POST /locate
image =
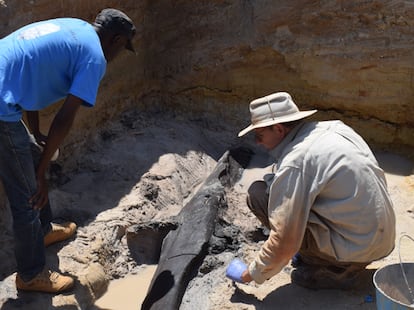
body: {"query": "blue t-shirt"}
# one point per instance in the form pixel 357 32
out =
pixel 43 62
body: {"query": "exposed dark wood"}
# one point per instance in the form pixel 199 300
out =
pixel 184 249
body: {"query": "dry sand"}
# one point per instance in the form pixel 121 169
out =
pixel 212 290
pixel 146 167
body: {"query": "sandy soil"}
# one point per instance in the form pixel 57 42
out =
pixel 211 290
pixel 146 167
pixel 278 292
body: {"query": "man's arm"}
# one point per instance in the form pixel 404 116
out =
pixel 59 128
pixel 289 205
pixel 33 123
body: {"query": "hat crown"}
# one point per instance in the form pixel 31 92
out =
pixel 272 107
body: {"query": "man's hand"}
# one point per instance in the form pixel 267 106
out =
pixel 236 269
pixel 40 139
pixel 40 199
pixel 246 277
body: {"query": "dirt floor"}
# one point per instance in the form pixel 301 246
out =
pixel 146 167
pixel 278 292
pixel 210 289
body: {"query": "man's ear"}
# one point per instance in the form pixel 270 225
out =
pixel 283 130
pixel 115 38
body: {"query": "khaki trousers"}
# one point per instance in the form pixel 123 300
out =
pixel 257 201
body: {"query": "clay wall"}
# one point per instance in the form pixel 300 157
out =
pixel 352 60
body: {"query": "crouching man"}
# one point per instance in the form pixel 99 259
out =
pixel 327 205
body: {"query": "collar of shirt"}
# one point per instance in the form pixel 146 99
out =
pixel 278 150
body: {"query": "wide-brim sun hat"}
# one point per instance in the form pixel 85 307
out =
pixel 274 109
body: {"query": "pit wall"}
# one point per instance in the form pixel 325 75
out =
pixel 352 60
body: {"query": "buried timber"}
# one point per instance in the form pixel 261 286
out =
pixel 165 194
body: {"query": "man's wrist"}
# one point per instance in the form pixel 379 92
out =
pixel 246 277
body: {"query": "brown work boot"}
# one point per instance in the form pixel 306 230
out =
pixel 327 277
pixel 59 232
pixel 46 281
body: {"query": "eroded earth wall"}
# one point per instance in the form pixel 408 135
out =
pixel 352 60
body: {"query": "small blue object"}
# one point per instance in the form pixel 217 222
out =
pixel 369 298
pixel 235 270
pixel 296 260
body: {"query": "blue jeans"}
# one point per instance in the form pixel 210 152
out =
pixel 17 171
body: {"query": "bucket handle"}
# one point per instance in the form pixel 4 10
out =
pixel 402 267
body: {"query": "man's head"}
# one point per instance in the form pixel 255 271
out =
pixel 268 116
pixel 115 30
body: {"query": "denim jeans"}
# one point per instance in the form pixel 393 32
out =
pixel 17 172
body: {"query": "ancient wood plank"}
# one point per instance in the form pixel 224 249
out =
pixel 184 249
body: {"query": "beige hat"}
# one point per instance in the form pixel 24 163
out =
pixel 274 109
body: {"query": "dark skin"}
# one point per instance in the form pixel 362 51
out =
pixel 112 44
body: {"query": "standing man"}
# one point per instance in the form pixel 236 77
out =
pixel 40 64
pixel 327 201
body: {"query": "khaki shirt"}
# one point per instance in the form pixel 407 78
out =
pixel 328 181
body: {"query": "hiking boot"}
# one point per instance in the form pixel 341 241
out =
pixel 46 281
pixel 59 232
pixel 326 277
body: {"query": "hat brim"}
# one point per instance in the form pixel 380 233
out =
pixel 289 118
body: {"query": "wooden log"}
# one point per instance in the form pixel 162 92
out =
pixel 184 249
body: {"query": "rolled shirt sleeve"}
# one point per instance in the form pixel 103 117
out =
pixel 289 204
